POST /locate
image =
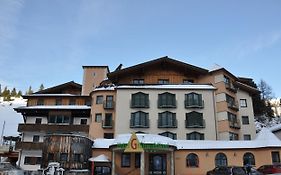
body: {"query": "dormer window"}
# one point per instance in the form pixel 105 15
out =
pixel 138 81
pixel 163 81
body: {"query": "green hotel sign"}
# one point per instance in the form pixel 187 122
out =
pixel 147 146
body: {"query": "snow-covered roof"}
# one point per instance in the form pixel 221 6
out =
pixel 275 128
pixel 264 139
pixel 50 95
pixel 108 88
pixel 178 86
pixel 56 107
pixel 100 158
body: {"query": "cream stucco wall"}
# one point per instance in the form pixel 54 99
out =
pixel 24 154
pixel 123 112
pixel 246 111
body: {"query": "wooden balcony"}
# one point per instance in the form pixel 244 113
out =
pixel 29 145
pixel 52 128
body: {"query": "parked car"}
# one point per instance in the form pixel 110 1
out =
pixel 255 172
pixel 227 170
pixel 270 169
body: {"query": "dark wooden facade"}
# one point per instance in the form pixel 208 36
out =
pixel 71 151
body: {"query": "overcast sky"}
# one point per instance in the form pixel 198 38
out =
pixel 48 41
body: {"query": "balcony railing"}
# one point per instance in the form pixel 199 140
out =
pixel 53 128
pixel 235 124
pixel 174 124
pixel 29 145
pixel 231 87
pixel 108 104
pixel 233 105
pixel 139 125
pixel 193 104
pixel 165 105
pixel 107 124
pixel 195 125
pixel 140 105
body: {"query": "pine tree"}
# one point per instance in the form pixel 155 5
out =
pixel 29 91
pixel 14 92
pixel 19 94
pixel 41 87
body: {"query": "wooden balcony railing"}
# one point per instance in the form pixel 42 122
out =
pixel 53 128
pixel 29 145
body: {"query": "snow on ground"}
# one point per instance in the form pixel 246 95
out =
pixel 11 117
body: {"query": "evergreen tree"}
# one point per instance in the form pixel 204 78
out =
pixel 41 87
pixel 14 92
pixel 19 94
pixel 29 91
pixel 6 94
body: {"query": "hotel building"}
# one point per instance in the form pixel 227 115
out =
pixel 188 119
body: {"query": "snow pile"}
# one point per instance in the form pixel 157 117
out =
pixel 9 116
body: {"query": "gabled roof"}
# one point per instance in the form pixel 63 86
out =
pixel 60 88
pixel 163 61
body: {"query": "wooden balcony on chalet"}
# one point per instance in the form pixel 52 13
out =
pixel 51 128
pixel 29 145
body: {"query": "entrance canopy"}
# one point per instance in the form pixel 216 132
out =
pixel 100 158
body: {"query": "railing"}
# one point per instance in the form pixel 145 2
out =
pixel 163 105
pixel 29 145
pixel 195 125
pixel 108 104
pixel 192 104
pixel 53 128
pixel 174 124
pixel 139 125
pixel 231 87
pixel 233 105
pixel 235 124
pixel 141 105
pixel 107 124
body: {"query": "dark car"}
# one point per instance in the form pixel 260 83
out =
pixel 270 169
pixel 227 170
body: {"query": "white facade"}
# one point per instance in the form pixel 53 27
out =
pixel 34 154
pixel 123 111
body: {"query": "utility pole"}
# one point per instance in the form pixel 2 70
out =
pixel 2 134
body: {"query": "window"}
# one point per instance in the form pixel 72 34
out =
pixel 108 135
pixel 63 156
pixel 169 134
pixel 243 103
pixel 83 121
pixel 108 102
pixel 140 100
pixel 51 157
pixel 59 119
pixel 194 120
pixel 36 138
pixel 125 160
pixel 38 120
pixel 99 99
pixel 40 102
pixel 137 160
pixel 166 100
pixel 248 159
pixel 88 102
pixel 226 80
pixel 98 118
pixel 247 137
pixel 193 100
pixel 245 120
pixel 101 170
pixel 188 81
pixel 233 136
pixel 192 160
pixel 231 103
pixel 275 157
pixel 139 120
pixel 32 160
pixel 233 121
pixel 195 136
pixel 167 120
pixel 220 159
pixel 107 123
pixel 163 81
pixel 138 81
pixel 77 157
pixel 72 101
pixel 58 101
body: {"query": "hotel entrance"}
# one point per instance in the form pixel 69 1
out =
pixel 157 164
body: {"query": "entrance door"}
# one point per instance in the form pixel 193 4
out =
pixel 157 164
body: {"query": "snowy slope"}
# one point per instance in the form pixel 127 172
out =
pixel 11 117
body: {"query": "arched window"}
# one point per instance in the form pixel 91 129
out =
pixel 221 159
pixel 192 160
pixel 248 159
pixel 140 100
